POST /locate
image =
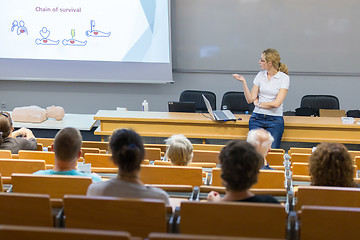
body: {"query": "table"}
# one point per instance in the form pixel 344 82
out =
pixel 78 121
pixel 198 125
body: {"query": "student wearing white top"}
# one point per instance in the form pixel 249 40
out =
pixel 268 93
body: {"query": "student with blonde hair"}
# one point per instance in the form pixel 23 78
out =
pixel 268 94
pixel 179 150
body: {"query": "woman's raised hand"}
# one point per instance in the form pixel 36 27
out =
pixel 239 77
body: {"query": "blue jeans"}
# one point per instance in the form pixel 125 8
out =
pixel 273 124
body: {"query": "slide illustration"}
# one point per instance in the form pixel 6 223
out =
pixel 20 27
pixel 96 33
pixel 45 33
pixel 72 41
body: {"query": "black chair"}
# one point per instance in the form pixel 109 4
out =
pixel 196 97
pixel 353 113
pixel 312 104
pixel 236 103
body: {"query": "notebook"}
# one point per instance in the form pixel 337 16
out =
pixel 219 115
pixel 181 107
pixel 331 113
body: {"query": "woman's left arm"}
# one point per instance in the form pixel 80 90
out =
pixel 278 100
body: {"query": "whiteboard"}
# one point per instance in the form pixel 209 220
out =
pixel 312 36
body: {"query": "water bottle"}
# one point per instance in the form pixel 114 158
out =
pixel 145 106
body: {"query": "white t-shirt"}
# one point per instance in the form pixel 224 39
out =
pixel 118 188
pixel 268 90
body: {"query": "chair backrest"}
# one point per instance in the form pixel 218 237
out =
pixel 99 160
pixel 54 185
pixel 1 184
pixel 330 223
pixel 300 168
pixel 233 219
pixel 25 209
pixel 5 154
pixel 275 158
pixel 300 157
pixel 196 97
pixel 270 179
pixel 96 144
pixel 317 102
pixel 236 103
pixel 179 236
pixel 152 153
pixel 49 157
pixel 193 164
pixel 10 166
pixel 85 150
pixel 8 232
pixel 171 175
pixel 299 150
pixel 354 154
pixel 208 147
pixel 154 145
pixel 45 141
pixel 273 179
pixel 139 217
pixel 328 196
pixel 206 156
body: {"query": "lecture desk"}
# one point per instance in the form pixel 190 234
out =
pixel 199 125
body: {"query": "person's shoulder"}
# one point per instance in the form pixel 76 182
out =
pixel 44 172
pixel 265 199
pixel 260 199
pixel 157 191
pixel 283 75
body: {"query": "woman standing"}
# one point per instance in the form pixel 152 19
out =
pixel 268 94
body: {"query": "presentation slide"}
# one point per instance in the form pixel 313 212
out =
pixel 80 34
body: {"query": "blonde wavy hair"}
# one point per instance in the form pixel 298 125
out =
pixel 331 165
pixel 273 56
pixel 179 151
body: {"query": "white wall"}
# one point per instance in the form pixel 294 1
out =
pixel 90 97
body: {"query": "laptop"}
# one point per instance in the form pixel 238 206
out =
pixel 219 115
pixel 331 113
pixel 181 107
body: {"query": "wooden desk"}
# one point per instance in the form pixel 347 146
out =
pixel 197 125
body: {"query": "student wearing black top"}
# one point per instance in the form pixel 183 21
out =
pixel 240 165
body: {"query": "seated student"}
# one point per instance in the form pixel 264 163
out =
pixel 331 165
pixel 240 165
pixel 261 140
pixel 127 152
pixel 22 139
pixel 67 148
pixel 179 150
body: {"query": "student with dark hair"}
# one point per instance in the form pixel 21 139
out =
pixel 127 153
pixel 331 165
pixel 67 148
pixel 240 165
pixel 22 139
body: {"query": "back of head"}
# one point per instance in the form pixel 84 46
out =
pixel 331 165
pixel 5 125
pixel 67 144
pixel 240 165
pixel 273 56
pixel 179 151
pixel 261 140
pixel 127 150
